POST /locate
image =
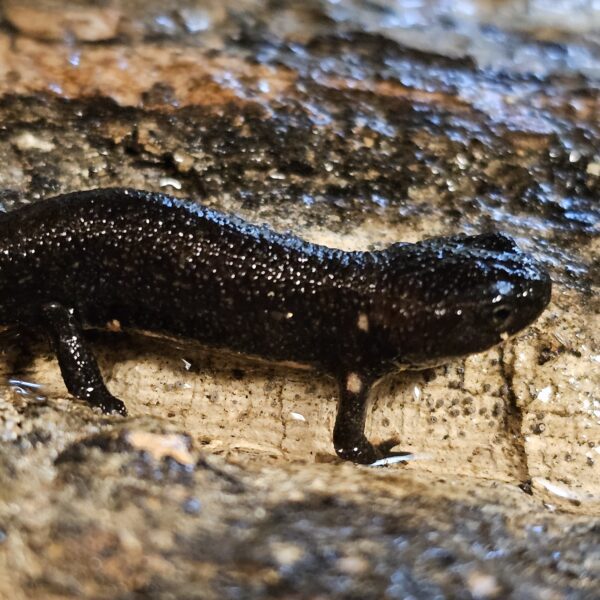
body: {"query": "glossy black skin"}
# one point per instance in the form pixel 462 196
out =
pixel 156 263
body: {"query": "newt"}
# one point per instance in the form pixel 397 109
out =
pixel 156 263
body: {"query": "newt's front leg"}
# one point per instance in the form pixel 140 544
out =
pixel 77 363
pixel 349 437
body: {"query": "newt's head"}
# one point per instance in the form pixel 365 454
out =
pixel 449 297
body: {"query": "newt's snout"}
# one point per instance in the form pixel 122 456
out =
pixel 514 288
pixel 523 299
pixel 467 294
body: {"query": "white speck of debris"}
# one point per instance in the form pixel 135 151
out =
pixel 574 156
pixel 593 169
pixel 165 22
pixel 297 416
pixel 183 160
pixel 462 161
pixel 545 394
pixel 186 364
pixel 21 382
pixel 113 325
pixel 195 20
pixel 416 393
pixel 556 490
pixel 353 565
pixel 289 315
pixel 392 460
pixel 596 358
pixel 482 585
pixel 170 182
pixel 286 554
pixel 504 336
pixel 28 141
pixel 363 322
pixel 353 383
pixel 160 446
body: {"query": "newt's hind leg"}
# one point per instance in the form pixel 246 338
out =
pixel 77 363
pixel 349 437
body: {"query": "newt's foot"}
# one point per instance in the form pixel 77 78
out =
pixel 360 451
pixel 109 404
pixel 365 453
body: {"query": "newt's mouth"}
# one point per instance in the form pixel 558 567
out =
pixel 531 301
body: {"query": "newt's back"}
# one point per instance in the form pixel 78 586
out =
pixel 156 263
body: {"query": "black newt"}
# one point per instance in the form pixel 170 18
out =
pixel 152 262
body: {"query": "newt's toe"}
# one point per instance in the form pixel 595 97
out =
pixel 112 405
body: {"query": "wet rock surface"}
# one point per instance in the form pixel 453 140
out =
pixel 350 124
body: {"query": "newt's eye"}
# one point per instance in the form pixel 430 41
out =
pixel 501 314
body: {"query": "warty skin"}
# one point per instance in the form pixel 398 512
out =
pixel 155 263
